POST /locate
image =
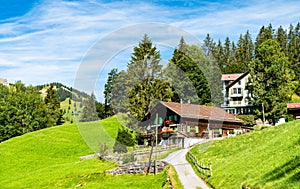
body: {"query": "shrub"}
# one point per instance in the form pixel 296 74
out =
pixel 249 120
pixel 128 158
pixel 103 150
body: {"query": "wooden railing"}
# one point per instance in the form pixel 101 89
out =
pixel 159 149
pixel 202 168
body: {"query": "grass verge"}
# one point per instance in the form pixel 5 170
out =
pixel 269 158
pixel 174 179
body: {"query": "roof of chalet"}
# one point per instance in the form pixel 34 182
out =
pixel 230 77
pixel 293 105
pixel 200 112
pixel 238 79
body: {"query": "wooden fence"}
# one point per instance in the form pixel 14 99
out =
pixel 202 168
pixel 159 149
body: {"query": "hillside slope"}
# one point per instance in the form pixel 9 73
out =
pixel 265 159
pixel 71 100
pixel 49 158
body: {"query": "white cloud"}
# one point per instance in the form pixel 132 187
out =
pixel 49 42
pixel 235 20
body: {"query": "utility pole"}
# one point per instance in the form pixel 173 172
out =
pixel 154 138
pixel 156 132
pixel 263 113
pixel 149 165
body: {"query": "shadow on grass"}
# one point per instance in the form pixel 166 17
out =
pixel 282 171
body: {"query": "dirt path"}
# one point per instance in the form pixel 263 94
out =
pixel 186 174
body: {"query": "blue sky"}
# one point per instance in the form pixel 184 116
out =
pixel 44 41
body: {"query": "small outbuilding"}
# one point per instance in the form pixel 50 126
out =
pixel 294 109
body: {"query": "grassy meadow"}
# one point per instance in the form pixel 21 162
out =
pixel 70 110
pixel 49 158
pixel 269 158
pixel 99 132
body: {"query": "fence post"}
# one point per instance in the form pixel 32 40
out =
pixel 210 168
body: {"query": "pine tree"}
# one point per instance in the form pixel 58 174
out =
pixel 100 108
pixel 186 74
pixel 294 52
pixel 53 104
pixel 208 46
pixel 143 82
pixel 119 96
pixel 271 80
pixel 264 34
pixel 244 52
pixel 227 54
pixel 108 89
pixel 218 54
pixel 89 112
pixel 208 84
pixel 281 37
pixel 249 49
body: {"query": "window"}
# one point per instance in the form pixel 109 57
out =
pixel 234 90
pixel 239 82
pixel 239 91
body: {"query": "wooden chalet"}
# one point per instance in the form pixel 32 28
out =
pixel 190 120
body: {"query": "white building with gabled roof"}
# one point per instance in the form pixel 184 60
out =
pixel 236 94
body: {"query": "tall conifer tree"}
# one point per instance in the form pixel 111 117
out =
pixel 53 104
pixel 272 80
pixel 143 82
pixel 108 89
pixel 89 112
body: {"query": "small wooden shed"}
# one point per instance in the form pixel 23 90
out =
pixel 294 109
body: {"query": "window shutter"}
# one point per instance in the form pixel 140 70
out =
pixel 160 120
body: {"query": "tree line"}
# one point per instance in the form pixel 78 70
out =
pixel 236 57
pixel 194 73
pixel 24 110
pixel 189 76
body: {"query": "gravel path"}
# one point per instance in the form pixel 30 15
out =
pixel 186 174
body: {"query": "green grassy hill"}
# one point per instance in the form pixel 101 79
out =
pixel 269 158
pixel 49 158
pixel 71 100
pixel 295 98
pixel 99 132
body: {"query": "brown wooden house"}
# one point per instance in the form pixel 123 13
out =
pixel 191 120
